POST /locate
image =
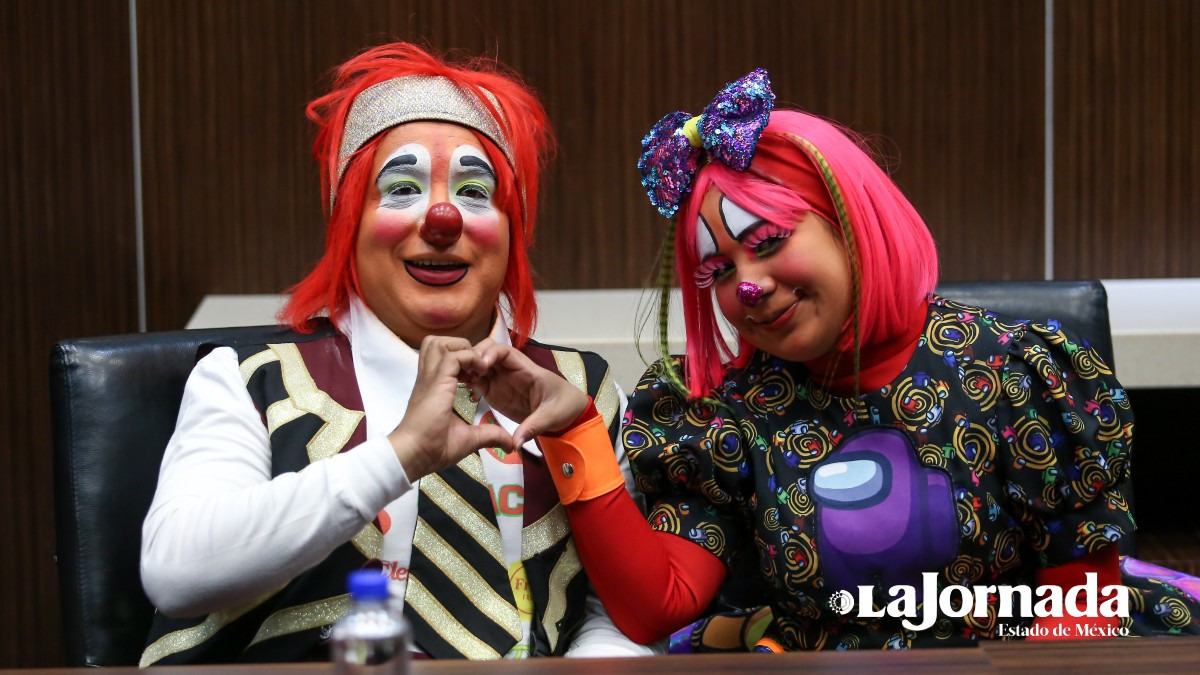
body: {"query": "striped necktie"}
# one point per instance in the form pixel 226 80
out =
pixel 458 598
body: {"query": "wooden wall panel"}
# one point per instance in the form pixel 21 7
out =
pixel 231 197
pixel 69 267
pixel 926 80
pixel 1126 139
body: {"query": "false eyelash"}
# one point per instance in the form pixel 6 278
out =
pixel 763 232
pixel 707 271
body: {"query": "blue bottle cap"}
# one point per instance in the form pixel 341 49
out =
pixel 367 585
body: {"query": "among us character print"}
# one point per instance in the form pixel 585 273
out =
pixel 882 516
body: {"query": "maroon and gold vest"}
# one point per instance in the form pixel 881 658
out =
pixel 306 392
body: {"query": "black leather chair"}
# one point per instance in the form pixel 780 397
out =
pixel 114 403
pixel 1081 306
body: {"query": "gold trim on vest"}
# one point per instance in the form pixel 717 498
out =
pixel 369 541
pixel 280 413
pixel 470 520
pixel 303 617
pixel 340 422
pixel 465 403
pixel 305 398
pixel 546 532
pixel 608 402
pixel 186 638
pixel 473 465
pixel 255 362
pixel 564 571
pixel 570 364
pixel 422 601
pixel 463 575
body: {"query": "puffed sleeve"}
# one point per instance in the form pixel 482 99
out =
pixel 1067 430
pixel 688 458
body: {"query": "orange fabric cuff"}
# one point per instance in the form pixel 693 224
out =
pixel 581 461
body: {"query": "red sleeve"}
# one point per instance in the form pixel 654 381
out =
pixel 1105 564
pixel 651 583
pixel 588 413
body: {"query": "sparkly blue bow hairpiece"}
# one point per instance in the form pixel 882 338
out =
pixel 728 130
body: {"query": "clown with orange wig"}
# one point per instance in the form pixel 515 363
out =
pixel 860 432
pixel 362 435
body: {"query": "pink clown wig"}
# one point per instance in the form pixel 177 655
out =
pixel 891 252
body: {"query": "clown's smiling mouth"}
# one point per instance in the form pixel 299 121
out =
pixel 436 273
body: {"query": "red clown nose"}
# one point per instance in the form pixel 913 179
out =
pixel 443 225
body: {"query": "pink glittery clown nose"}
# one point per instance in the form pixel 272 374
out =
pixel 443 225
pixel 749 294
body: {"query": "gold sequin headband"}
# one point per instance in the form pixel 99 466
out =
pixel 415 98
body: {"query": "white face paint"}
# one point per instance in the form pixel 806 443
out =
pixel 472 181
pixel 737 220
pixel 739 227
pixel 405 179
pixel 415 288
pixel 706 245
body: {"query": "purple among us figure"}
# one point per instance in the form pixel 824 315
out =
pixel 882 517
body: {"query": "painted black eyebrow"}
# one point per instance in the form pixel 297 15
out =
pixel 708 228
pixel 472 162
pixel 749 228
pixel 396 162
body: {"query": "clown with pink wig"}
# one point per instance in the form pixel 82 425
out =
pixel 860 435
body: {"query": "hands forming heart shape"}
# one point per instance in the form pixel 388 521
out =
pixel 432 437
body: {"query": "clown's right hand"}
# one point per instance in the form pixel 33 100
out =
pixel 431 436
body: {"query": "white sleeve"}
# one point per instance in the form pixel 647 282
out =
pixel 622 459
pixel 220 530
pixel 599 636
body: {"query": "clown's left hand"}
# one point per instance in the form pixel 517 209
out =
pixel 541 401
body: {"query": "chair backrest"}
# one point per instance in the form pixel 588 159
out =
pixel 1081 306
pixel 114 402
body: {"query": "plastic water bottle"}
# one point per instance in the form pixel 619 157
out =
pixel 372 638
